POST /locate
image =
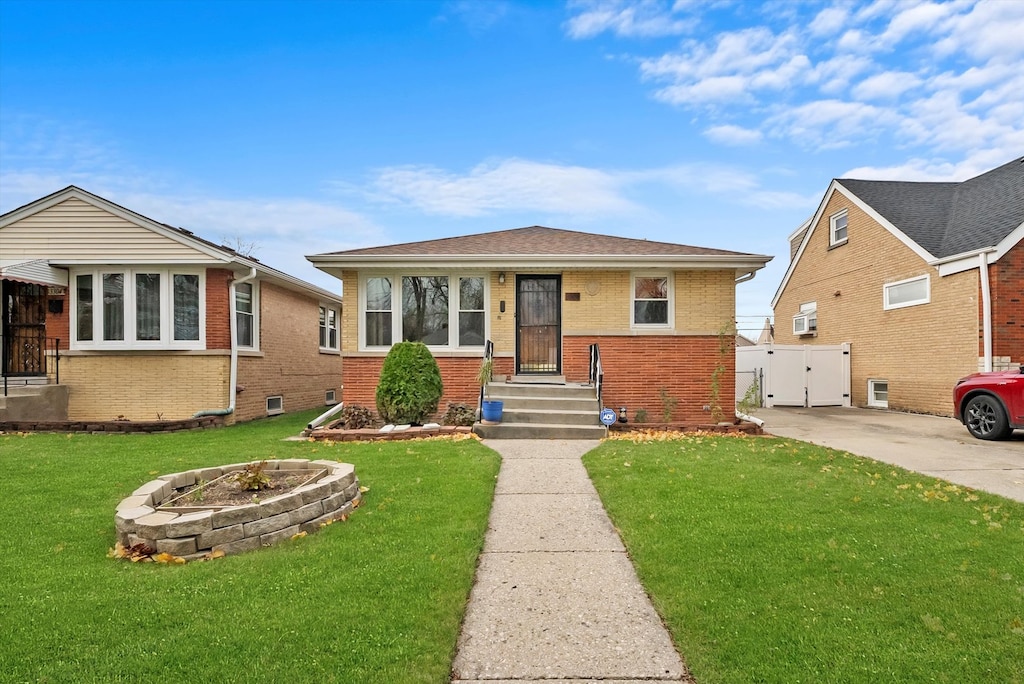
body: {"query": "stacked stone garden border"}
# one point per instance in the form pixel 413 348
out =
pixel 375 435
pixel 111 425
pixel 742 426
pixel 193 531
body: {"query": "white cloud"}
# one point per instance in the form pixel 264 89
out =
pixel 828 21
pixel 733 135
pixel 506 185
pixel 885 86
pixel 915 18
pixel 831 123
pixel 645 19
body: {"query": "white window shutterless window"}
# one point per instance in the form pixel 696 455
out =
pixel 442 311
pixel 652 306
pixel 910 292
pixel 878 393
pixel 838 230
pixel 328 327
pixel 137 308
pixel 247 315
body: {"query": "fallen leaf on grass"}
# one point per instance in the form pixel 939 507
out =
pixel 299 535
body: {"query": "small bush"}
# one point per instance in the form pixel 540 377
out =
pixel 410 384
pixel 252 477
pixel 459 414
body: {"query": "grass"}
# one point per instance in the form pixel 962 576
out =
pixel 779 561
pixel 379 598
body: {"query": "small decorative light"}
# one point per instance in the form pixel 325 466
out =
pixel 622 415
pixel 501 277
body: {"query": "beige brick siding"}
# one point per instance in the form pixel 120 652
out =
pixel 291 364
pixel 143 385
pixel 921 350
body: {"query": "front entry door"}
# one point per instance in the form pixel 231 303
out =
pixel 24 328
pixel 538 324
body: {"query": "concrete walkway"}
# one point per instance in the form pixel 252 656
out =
pixel 556 598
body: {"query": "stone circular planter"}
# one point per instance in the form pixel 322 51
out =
pixel 154 516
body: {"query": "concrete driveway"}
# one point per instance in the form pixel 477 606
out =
pixel 926 444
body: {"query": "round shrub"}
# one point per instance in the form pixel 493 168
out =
pixel 410 384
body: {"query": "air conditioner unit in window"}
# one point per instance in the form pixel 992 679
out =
pixel 801 326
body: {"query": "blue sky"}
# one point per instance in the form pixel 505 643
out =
pixel 308 127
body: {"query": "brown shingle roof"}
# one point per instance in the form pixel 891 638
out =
pixel 536 240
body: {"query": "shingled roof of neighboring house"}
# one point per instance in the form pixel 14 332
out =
pixel 950 218
pixel 536 240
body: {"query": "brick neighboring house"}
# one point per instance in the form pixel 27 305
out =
pixel 925 280
pixel 155 322
pixel 543 295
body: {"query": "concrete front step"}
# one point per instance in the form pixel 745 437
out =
pixel 499 390
pixel 539 431
pixel 532 414
pixel 552 404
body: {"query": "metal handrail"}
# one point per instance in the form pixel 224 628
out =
pixel 488 356
pixel 596 370
pixel 33 356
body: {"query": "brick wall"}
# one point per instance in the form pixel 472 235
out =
pixel 143 385
pixel 921 350
pixel 218 308
pixel 1006 280
pixel 58 325
pixel 636 368
pixel 290 363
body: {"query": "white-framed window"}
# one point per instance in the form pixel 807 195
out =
pixel 441 310
pixel 837 228
pixel 652 303
pixel 275 405
pixel 878 393
pixel 329 327
pixel 118 307
pixel 909 292
pixel 330 397
pixel 806 322
pixel 247 315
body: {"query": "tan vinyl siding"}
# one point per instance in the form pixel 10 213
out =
pixel 77 231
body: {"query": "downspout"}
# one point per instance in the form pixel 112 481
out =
pixel 745 277
pixel 986 310
pixel 232 325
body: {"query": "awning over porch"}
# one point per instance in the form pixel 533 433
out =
pixel 37 271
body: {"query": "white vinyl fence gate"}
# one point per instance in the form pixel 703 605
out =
pixel 795 375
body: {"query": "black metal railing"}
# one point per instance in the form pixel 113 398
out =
pixel 24 355
pixel 488 357
pixel 596 371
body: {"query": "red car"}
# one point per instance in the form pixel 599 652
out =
pixel 991 405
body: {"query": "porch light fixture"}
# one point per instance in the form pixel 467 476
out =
pixel 622 415
pixel 501 278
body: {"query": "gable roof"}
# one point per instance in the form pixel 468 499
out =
pixel 539 246
pixel 950 218
pixel 218 254
pixel 942 222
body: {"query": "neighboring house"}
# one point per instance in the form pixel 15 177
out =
pixel 543 296
pixel 767 334
pixel 925 280
pixel 154 322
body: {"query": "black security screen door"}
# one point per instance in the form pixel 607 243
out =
pixel 23 310
pixel 538 324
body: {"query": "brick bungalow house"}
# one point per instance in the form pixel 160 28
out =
pixel 543 296
pixel 925 280
pixel 153 322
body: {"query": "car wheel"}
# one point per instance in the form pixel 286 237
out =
pixel 985 418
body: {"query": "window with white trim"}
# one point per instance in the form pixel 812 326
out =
pixel 247 322
pixel 806 322
pixel 838 231
pixel 878 393
pixel 275 405
pixel 328 327
pixel 652 306
pixel 424 308
pixel 909 292
pixel 138 308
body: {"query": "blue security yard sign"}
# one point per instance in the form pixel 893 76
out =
pixel 608 416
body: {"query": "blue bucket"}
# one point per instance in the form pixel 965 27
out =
pixel 491 410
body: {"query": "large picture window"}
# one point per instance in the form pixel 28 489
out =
pixel 137 308
pixel 438 310
pixel 651 301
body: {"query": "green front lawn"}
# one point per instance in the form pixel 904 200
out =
pixel 379 598
pixel 778 561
